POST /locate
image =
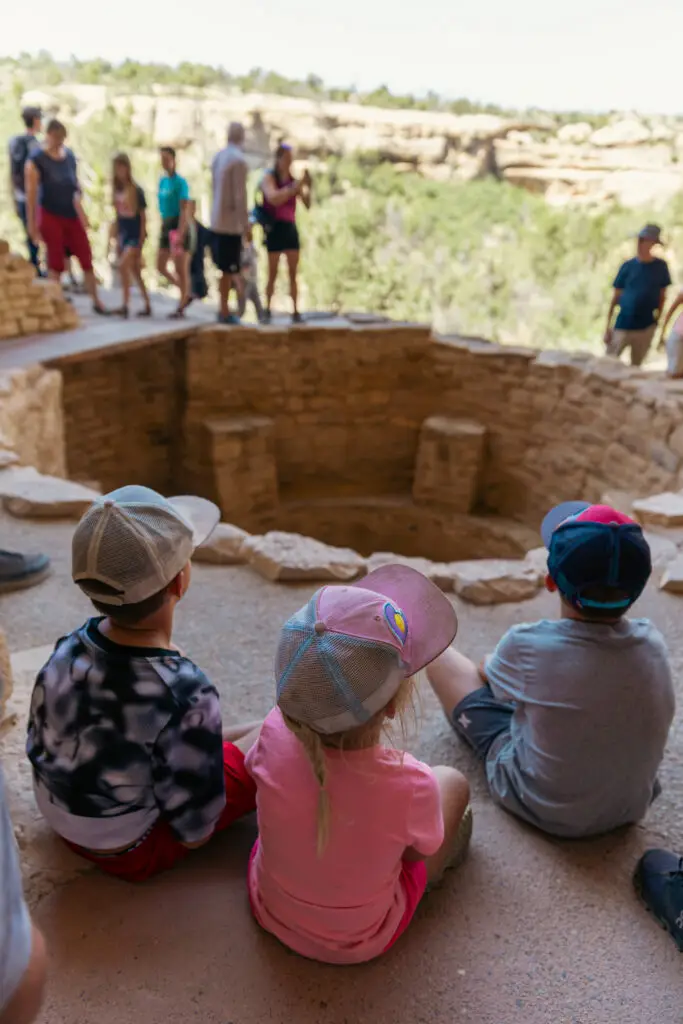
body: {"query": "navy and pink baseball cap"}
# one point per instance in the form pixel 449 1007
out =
pixel 595 548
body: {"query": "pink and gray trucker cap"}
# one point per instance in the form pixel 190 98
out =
pixel 132 542
pixel 343 656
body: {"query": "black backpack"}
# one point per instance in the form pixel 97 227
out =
pixel 19 150
pixel 259 215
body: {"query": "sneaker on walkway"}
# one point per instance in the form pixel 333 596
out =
pixel 658 880
pixel 20 571
pixel 229 319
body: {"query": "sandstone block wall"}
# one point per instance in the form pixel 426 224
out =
pixel 123 414
pixel 31 418
pixel 347 407
pixel 29 305
pixel 449 463
pixel 238 468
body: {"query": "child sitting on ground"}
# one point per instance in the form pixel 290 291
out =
pixel 130 766
pixel 352 831
pixel 574 714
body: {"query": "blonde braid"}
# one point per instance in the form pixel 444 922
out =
pixel 315 751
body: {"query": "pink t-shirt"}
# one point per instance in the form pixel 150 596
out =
pixel 346 905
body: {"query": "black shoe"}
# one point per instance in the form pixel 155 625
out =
pixel 658 880
pixel 297 318
pixel 267 316
pixel 20 571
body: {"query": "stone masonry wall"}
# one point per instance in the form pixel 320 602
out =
pixel 31 418
pixel 123 415
pixel 347 407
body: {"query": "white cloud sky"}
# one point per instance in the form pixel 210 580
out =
pixel 587 54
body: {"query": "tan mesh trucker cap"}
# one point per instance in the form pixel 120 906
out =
pixel 132 542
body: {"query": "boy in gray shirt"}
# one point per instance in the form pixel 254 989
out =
pixel 573 715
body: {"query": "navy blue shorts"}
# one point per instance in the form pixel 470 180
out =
pixel 480 718
pixel 129 232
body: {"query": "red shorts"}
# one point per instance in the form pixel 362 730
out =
pixel 159 849
pixel 60 234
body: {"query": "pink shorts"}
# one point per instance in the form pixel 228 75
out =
pixel 413 883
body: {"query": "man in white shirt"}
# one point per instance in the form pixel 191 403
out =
pixel 229 217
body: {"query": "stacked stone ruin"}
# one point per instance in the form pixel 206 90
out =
pixel 29 304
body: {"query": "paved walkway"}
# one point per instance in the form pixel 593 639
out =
pixel 97 334
pixel 529 931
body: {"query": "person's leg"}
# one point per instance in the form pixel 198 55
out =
pixel 674 356
pixel 640 344
pixel 273 263
pixel 292 257
pixel 30 245
pixel 140 281
pixel 17 572
pixel 468 703
pixel 25 1004
pixel 181 262
pixel 224 296
pixel 242 301
pixel 238 284
pixel 237 732
pixel 126 270
pixel 620 340
pixel 455 797
pixel 163 257
pixel 256 300
pixel 51 230
pixel 77 242
pixel 452 677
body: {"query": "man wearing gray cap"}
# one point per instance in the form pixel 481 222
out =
pixel 640 293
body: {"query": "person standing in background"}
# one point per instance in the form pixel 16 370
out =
pixel 20 149
pixel 129 202
pixel 229 218
pixel 54 209
pixel 280 193
pixel 174 196
pixel 640 293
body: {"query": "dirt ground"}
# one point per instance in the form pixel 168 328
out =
pixel 530 930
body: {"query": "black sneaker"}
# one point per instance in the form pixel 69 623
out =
pixel 658 880
pixel 20 571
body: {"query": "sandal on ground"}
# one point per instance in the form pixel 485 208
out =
pixel 177 315
pixel 459 848
pixel 122 311
pixel 101 310
pixel 145 311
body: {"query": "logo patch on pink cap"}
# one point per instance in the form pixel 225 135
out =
pixel 396 622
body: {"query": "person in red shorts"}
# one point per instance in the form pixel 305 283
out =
pixel 130 764
pixel 54 211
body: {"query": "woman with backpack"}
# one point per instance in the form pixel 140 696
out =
pixel 21 148
pixel 280 194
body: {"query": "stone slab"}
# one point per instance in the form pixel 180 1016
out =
pixel 289 557
pixel 494 581
pixel 664 509
pixel 31 495
pixel 225 546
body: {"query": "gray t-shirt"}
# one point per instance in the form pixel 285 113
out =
pixel 229 213
pixel 594 703
pixel 15 924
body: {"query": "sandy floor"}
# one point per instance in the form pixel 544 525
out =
pixel 530 930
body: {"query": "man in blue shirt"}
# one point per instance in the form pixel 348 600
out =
pixel 640 293
pixel 174 197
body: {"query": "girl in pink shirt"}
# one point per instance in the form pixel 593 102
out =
pixel 351 831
